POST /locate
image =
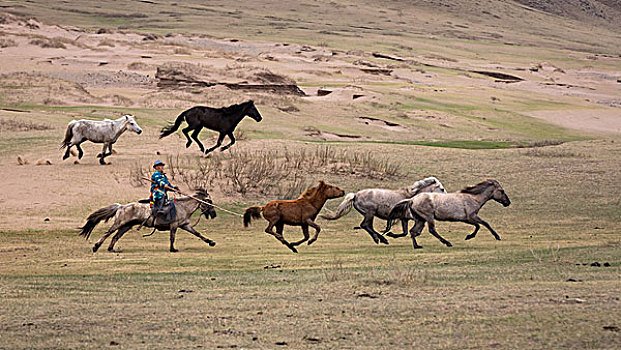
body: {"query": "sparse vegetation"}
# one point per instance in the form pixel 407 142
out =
pixel 53 43
pixel 283 174
pixel 5 42
pixel 7 124
pixel 555 272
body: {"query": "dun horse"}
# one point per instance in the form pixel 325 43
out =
pixel 223 120
pixel 132 214
pixel 105 131
pixel 378 202
pixel 460 206
pixel 299 212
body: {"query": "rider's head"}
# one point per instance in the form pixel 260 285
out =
pixel 158 165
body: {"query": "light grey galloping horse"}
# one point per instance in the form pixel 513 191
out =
pixel 378 202
pixel 460 206
pixel 98 131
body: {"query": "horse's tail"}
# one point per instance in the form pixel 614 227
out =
pixel 342 209
pixel 252 213
pixel 399 211
pixel 172 128
pixel 104 213
pixel 68 135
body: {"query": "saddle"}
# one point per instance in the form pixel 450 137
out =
pixel 166 214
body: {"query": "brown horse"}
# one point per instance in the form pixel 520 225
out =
pixel 299 212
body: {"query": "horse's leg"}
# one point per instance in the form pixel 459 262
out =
pixel 278 234
pixel 173 231
pixel 191 229
pixel 305 233
pixel 367 225
pixel 404 226
pixel 118 236
pixel 432 230
pixel 195 137
pixel 68 152
pixel 186 132
pixel 80 151
pixel 317 230
pixel 110 231
pixel 478 220
pixel 415 232
pixel 218 143
pixel 474 233
pixel 232 138
pixel 103 151
pixel 102 155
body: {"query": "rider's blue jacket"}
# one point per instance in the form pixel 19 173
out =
pixel 159 180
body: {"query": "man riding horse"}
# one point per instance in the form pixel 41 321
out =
pixel 159 188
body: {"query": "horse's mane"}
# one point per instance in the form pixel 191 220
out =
pixel 422 183
pixel 478 188
pixel 235 107
pixel 312 191
pixel 309 192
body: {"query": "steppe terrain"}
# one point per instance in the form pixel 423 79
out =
pixel 358 93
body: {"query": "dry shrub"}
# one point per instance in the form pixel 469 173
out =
pixel 48 43
pixel 336 272
pixel 138 66
pixel 21 125
pixel 270 173
pixel 53 102
pixel 107 42
pixel 119 100
pixel 7 43
pixel 549 153
pixel 182 51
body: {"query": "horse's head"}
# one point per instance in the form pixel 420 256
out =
pixel 499 194
pixel 253 112
pixel 208 210
pixel 429 184
pixel 130 122
pixel 330 191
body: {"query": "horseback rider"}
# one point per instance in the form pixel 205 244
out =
pixel 159 187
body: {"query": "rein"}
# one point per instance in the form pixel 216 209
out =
pixel 202 201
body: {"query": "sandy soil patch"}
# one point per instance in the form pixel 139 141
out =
pixel 597 120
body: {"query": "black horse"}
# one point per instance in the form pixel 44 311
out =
pixel 223 120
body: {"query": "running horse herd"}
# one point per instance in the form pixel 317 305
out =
pixel 425 201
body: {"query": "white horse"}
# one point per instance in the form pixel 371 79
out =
pixel 105 131
pixel 378 202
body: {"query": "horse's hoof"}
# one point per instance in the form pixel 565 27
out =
pixel 390 234
pixel 98 155
pixel 448 244
pixel 383 240
pixel 498 239
pixel 95 248
pixel 65 157
pixel 292 248
pixel 469 237
pixel 211 243
pixel 418 247
pixel 173 250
